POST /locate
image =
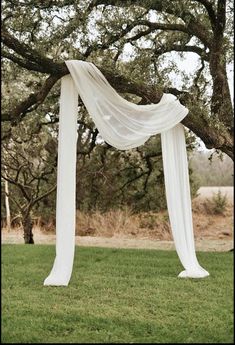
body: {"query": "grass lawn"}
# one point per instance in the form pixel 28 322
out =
pixel 115 295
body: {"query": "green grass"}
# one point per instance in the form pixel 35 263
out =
pixel 125 296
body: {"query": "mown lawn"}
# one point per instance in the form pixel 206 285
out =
pixel 125 296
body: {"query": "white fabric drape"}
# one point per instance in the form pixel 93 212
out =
pixel 123 125
pixel 66 185
pixel 178 197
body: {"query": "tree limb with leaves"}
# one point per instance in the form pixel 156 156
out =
pixel 38 36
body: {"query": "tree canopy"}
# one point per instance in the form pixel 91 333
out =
pixel 136 44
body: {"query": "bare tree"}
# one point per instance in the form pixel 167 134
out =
pixel 28 167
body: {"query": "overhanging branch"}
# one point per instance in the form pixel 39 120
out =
pixel 210 10
pixel 16 114
pixel 182 48
pixel 47 65
pixel 30 66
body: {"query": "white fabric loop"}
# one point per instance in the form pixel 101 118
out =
pixel 123 125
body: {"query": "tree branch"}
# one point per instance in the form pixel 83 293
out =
pixel 182 48
pixel 19 185
pixel 221 17
pixel 25 64
pixel 193 26
pixel 210 10
pixel 164 26
pixel 30 54
pixel 43 195
pixel 15 201
pixel 16 114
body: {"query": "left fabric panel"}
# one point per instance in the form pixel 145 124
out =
pixel 66 186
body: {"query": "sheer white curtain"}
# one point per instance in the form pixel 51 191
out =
pixel 123 125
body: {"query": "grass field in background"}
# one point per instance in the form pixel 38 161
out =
pixel 115 295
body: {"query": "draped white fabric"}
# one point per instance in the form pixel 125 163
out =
pixel 123 125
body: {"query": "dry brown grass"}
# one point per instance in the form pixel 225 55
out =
pixel 151 225
pixel 211 220
pixel 208 223
pixel 211 223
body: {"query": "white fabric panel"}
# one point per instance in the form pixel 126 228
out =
pixel 66 185
pixel 123 125
pixel 178 197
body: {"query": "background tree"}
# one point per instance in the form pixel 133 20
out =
pixel 110 178
pixel 211 170
pixel 30 168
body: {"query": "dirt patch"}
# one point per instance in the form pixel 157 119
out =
pixel 119 241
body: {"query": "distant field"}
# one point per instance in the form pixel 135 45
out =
pixel 115 296
pixel 208 192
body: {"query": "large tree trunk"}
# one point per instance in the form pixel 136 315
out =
pixel 28 229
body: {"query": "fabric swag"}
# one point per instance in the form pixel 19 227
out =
pixel 123 125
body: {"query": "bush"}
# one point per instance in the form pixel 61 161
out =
pixel 220 202
pixel 217 204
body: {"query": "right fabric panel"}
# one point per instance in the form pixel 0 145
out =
pixel 178 197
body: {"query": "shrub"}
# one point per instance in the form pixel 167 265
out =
pixel 220 202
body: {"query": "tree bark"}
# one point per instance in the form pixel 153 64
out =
pixel 28 229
